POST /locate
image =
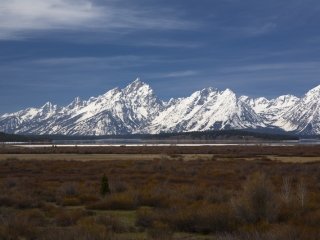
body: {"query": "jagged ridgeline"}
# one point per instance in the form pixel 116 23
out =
pixel 135 109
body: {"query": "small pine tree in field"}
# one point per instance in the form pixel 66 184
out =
pixel 104 188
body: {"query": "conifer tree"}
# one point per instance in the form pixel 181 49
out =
pixel 104 188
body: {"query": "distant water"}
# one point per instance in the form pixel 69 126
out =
pixel 143 142
pixel 309 141
pixel 184 142
pixel 99 141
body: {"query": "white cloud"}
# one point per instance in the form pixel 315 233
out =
pixel 168 43
pixel 260 30
pixel 177 74
pixel 250 30
pixel 21 18
pixel 293 66
pixel 182 74
pixel 89 63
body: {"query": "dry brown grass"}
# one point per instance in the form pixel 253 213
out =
pixel 231 199
pixel 175 151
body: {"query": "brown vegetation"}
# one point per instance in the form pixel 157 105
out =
pixel 161 199
pixel 174 151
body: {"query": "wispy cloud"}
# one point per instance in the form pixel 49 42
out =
pixel 259 29
pixel 89 61
pixel 77 64
pixel 93 63
pixel 250 30
pixel 167 43
pixel 176 74
pixel 296 66
pixel 21 18
pixel 17 17
pixel 187 73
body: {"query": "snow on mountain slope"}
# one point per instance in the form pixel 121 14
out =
pixel 135 109
pixel 25 119
pixel 304 116
pixel 118 111
pixel 205 110
pixel 272 109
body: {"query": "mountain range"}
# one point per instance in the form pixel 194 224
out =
pixel 136 109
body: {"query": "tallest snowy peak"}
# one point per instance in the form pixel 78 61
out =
pixel 137 85
pixel 208 90
pixel 137 80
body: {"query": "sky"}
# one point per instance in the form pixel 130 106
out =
pixel 55 50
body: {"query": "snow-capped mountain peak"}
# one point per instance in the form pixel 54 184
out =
pixel 76 103
pixel 138 87
pixel 304 115
pixel 136 109
pixel 48 109
pixel 136 84
pixel 313 93
pixel 48 106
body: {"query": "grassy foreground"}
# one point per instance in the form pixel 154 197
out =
pixel 161 196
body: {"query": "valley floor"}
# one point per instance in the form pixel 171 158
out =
pixel 233 192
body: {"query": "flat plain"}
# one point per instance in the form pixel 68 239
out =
pixel 225 192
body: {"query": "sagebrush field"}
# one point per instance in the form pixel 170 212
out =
pixel 250 192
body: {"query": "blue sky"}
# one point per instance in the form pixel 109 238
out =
pixel 58 49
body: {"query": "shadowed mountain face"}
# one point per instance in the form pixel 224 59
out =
pixel 136 109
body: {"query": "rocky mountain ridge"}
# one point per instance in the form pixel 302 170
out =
pixel 136 109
